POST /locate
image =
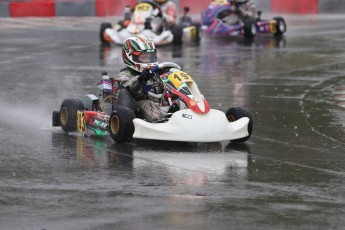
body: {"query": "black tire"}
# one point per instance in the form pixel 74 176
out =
pixel 56 119
pixel 68 114
pixel 177 31
pixel 280 26
pixel 235 113
pixel 249 28
pixel 198 32
pixel 104 26
pixel 121 127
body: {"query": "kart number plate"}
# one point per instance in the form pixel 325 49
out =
pixel 178 78
pixel 143 7
pixel 81 122
pixel 220 2
pixel 273 26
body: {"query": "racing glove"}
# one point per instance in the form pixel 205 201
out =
pixel 145 75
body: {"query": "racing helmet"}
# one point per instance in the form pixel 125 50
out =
pixel 139 52
pixel 160 1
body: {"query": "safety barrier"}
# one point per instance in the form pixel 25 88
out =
pixel 52 8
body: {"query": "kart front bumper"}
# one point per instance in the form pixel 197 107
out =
pixel 188 126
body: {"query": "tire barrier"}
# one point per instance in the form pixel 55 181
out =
pixel 53 8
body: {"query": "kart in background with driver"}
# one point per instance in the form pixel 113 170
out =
pixel 214 26
pixel 147 19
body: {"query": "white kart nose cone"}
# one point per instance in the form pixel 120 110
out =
pixel 186 125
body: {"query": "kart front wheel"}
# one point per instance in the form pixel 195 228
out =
pixel 280 26
pixel 56 119
pixel 68 114
pixel 121 125
pixel 249 28
pixel 198 32
pixel 235 113
pixel 105 39
pixel 177 32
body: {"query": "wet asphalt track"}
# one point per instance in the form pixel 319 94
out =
pixel 289 175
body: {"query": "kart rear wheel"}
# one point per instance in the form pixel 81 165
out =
pixel 235 113
pixel 121 125
pixel 68 114
pixel 280 26
pixel 105 40
pixel 249 28
pixel 198 32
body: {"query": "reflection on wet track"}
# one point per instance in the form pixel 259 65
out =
pixel 204 162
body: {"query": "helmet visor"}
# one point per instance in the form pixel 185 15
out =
pixel 145 56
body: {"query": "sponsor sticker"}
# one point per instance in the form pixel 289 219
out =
pixel 188 116
pixel 100 124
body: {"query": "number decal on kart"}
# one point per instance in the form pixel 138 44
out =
pixel 143 7
pixel 80 121
pixel 193 32
pixel 178 78
pixel 220 2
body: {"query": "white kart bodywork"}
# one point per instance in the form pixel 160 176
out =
pixel 188 126
pixel 142 12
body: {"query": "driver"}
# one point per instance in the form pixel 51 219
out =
pixel 241 10
pixel 169 11
pixel 139 55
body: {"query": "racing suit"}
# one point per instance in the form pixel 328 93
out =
pixel 241 12
pixel 148 109
pixel 169 13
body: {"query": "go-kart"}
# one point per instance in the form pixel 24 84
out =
pixel 188 116
pixel 214 25
pixel 147 19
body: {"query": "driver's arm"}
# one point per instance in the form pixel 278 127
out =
pixel 130 82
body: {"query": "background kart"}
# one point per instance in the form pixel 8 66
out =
pixel 147 20
pixel 188 118
pixel 213 25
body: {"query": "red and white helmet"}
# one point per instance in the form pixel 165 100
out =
pixel 139 52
